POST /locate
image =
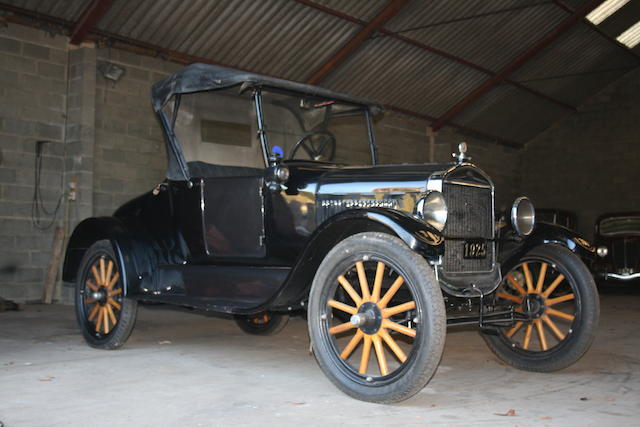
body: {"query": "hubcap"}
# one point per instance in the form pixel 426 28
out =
pixel 368 318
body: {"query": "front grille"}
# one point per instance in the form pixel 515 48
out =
pixel 470 217
pixel 470 211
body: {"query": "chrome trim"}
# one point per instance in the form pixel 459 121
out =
pixel 515 207
pixel 622 276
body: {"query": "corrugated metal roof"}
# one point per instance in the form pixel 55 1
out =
pixel 65 9
pixel 289 39
pixel 490 39
pixel 277 37
pixel 510 113
pixel 394 72
pixel 364 10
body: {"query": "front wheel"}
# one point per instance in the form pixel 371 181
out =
pixel 392 342
pixel 555 292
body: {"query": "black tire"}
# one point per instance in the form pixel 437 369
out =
pixel 571 309
pixel 106 318
pixel 418 292
pixel 266 323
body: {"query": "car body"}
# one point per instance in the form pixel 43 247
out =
pixel 617 238
pixel 302 219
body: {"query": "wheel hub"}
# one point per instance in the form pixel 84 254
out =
pixel 368 318
pixel 533 305
pixel 100 295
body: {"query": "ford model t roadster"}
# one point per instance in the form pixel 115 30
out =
pixel 274 204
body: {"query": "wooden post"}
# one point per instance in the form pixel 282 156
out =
pixel 54 263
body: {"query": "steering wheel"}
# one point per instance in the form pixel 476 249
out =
pixel 318 144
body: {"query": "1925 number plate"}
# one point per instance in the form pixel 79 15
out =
pixel 475 249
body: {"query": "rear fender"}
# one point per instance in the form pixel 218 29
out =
pixel 89 231
pixel 418 235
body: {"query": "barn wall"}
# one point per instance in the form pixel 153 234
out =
pixel 588 163
pixel 33 72
pixel 129 148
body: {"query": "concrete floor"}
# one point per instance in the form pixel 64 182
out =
pixel 210 373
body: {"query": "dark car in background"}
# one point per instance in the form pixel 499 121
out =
pixel 274 204
pixel 556 216
pixel 617 239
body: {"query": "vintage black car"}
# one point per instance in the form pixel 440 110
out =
pixel 617 239
pixel 274 204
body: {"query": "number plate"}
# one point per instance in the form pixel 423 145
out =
pixel 475 249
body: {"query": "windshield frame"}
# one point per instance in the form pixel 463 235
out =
pixel 177 168
pixel 263 134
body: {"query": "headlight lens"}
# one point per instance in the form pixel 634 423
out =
pixel 434 210
pixel 523 216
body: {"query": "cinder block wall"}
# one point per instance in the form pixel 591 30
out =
pixel 589 163
pixel 33 86
pixel 129 148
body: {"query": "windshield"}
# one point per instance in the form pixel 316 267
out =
pixel 618 226
pixel 306 128
pixel 222 128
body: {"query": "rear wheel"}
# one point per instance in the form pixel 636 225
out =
pixel 392 342
pixel 555 290
pixel 265 323
pixel 105 316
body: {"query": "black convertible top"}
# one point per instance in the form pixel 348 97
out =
pixel 201 77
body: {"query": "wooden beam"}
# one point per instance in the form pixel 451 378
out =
pixel 341 55
pixel 517 63
pixel 88 19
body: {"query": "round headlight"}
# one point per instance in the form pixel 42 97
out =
pixel 523 216
pixel 602 251
pixel 434 210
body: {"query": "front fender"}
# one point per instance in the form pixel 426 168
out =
pixel 90 231
pixel 513 248
pixel 418 235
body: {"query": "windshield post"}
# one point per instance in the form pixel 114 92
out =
pixel 257 97
pixel 372 139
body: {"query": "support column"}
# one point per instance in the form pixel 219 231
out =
pixel 80 130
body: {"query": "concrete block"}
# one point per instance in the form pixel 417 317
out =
pixel 10 46
pixel 18 127
pixel 35 51
pixel 50 132
pixel 54 71
pixel 7 176
pixel 30 274
pixel 17 63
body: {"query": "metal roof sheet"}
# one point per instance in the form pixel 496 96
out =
pixel 289 39
pixel 490 34
pixel 65 9
pixel 276 37
pixel 393 72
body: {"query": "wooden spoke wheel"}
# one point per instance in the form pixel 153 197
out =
pixel 556 294
pixel 105 316
pixel 376 318
pixel 265 323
